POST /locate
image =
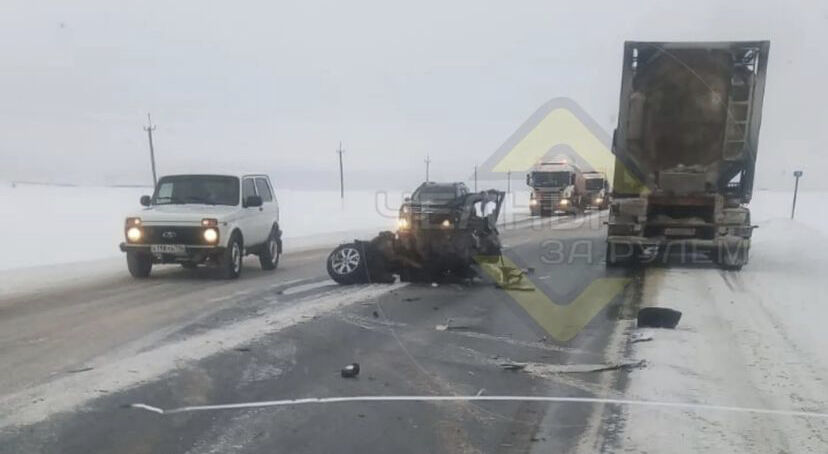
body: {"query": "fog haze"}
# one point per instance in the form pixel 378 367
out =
pixel 275 86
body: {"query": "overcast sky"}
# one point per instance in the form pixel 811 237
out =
pixel 276 85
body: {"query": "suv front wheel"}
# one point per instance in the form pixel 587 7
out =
pixel 230 263
pixel 139 264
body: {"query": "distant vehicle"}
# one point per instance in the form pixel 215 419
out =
pixel 205 219
pixel 442 229
pixel 596 190
pixel 685 148
pixel 557 188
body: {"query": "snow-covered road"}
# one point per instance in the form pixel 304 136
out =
pixel 754 338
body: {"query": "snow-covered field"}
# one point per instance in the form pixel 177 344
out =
pixel 46 225
pixel 754 338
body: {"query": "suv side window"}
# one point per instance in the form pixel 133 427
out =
pixel 248 189
pixel 264 190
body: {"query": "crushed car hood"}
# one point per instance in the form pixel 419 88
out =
pixel 185 214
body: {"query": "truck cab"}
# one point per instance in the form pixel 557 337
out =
pixel 557 188
pixel 596 190
pixel 200 219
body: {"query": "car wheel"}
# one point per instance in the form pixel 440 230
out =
pixel 139 264
pixel 231 262
pixel 620 254
pixel 346 264
pixel 269 256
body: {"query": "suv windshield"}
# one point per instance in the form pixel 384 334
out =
pixel 203 189
pixel 434 194
pixel 550 179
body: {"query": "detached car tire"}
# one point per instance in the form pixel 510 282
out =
pixel 346 264
pixel 271 250
pixel 139 264
pixel 230 264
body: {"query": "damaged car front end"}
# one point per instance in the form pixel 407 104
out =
pixel 434 239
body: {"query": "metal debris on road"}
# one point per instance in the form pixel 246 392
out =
pixel 641 337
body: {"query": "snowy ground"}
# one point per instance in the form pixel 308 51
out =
pixel 47 225
pixel 754 338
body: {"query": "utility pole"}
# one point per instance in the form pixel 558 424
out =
pixel 149 129
pixel 509 182
pixel 341 175
pixel 475 178
pixel 427 163
pixel 797 174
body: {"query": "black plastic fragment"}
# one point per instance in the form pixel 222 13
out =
pixel 350 371
pixel 658 317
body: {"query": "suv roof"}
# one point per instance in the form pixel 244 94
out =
pixel 226 174
pixel 434 184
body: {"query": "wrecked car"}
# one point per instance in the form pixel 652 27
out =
pixel 442 229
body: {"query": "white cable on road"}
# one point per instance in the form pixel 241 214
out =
pixel 478 398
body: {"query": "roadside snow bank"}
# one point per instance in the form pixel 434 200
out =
pixel 754 338
pixel 48 225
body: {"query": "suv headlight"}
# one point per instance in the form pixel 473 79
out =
pixel 403 223
pixel 134 234
pixel 133 230
pixel 564 202
pixel 211 235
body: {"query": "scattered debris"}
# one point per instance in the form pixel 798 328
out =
pixel 554 369
pixel 658 317
pixel 242 349
pixel 449 326
pixel 641 337
pixel 505 275
pixel 77 371
pixel 376 314
pixel 412 298
pixel 350 371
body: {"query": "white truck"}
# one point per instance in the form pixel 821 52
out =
pixel 557 187
pixel 205 219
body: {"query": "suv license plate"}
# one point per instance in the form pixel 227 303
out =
pixel 174 249
pixel 679 231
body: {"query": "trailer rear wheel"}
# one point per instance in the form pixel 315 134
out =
pixel 621 254
pixel 732 260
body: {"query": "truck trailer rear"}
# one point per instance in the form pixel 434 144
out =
pixel 685 148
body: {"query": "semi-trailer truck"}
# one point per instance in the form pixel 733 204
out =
pixel 685 148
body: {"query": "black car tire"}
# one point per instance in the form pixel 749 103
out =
pixel 139 264
pixel 271 251
pixel 230 264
